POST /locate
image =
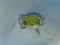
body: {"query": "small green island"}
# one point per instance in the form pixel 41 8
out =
pixel 31 20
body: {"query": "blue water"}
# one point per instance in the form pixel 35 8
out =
pixel 10 32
